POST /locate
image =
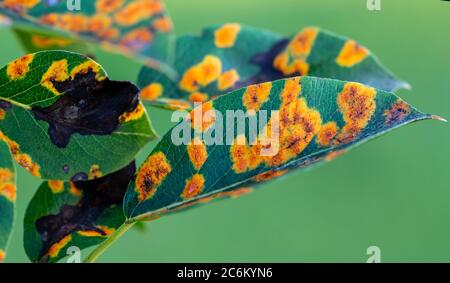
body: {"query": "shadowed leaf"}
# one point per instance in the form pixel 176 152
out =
pixel 64 119
pixel 230 56
pixel 318 119
pixel 81 214
pixel 7 197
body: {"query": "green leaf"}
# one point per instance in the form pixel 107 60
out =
pixel 141 29
pixel 7 197
pixel 80 214
pixel 318 120
pixel 66 120
pixel 227 57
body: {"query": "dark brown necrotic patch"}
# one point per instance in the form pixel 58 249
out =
pixel 265 61
pixel 5 105
pixel 87 107
pixel 98 195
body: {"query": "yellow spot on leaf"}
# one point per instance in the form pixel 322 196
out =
pixel 45 42
pixel 56 248
pixel 176 104
pixel 8 190
pixel 20 4
pixel 134 115
pixel 225 36
pixel 327 133
pixel 198 97
pixel 105 231
pixel 194 186
pixel 2 114
pixel 107 6
pixel 197 153
pixel 351 54
pixel 151 174
pixel 163 24
pixel 228 79
pixel 22 159
pixel 74 190
pixel 303 41
pixel 256 95
pixel 57 72
pixel 203 117
pixel 2 255
pixel 202 74
pixel 95 172
pixel 19 67
pixel 152 92
pixel 137 38
pixel 357 105
pixel 137 11
pixel 56 186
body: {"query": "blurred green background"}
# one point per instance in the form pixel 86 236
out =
pixel 393 192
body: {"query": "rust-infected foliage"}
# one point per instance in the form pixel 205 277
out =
pixel 19 67
pixel 151 174
pixel 351 54
pixel 7 185
pixel 398 112
pixel 197 153
pixel 88 107
pixel 96 196
pixel 194 186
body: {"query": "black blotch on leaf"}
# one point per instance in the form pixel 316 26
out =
pixel 98 195
pixel 265 61
pixel 5 105
pixel 87 107
pixel 79 177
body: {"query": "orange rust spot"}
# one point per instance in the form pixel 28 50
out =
pixel 151 174
pixel 56 248
pixel 134 115
pixel 294 58
pixel 57 72
pixel 19 67
pixel 95 172
pixel 20 4
pixel 6 175
pixel 98 23
pixel 109 33
pixel 298 125
pixel 351 54
pixel 137 38
pixel 2 255
pixel 228 79
pixel 85 67
pixel 45 42
pixel 198 97
pixel 56 186
pixel 8 190
pixel 327 133
pixel 163 24
pixel 137 11
pixel 107 6
pixel 332 155
pixel 26 162
pixel 203 117
pixel 22 159
pixel 194 186
pixel 176 104
pixel 256 95
pixel 202 74
pixel 303 41
pixel 398 112
pixel 226 35
pixel 152 91
pixel 197 153
pixel 74 190
pixel 105 231
pixel 269 175
pixel 72 22
pixel 2 114
pixel 357 105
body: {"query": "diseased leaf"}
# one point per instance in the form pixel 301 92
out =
pixel 209 154
pixel 64 119
pixel 81 214
pixel 7 197
pixel 227 57
pixel 139 28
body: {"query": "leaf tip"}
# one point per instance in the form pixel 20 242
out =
pixel 438 118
